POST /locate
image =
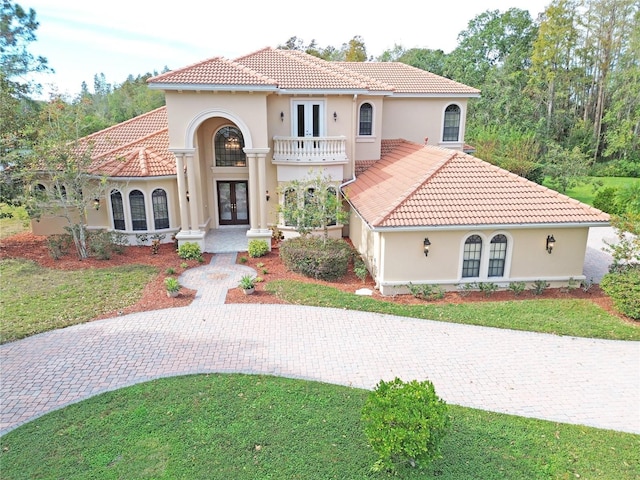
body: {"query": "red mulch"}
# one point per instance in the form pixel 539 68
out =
pixel 27 245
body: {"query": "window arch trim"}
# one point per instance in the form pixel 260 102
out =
pixel 138 210
pixel 228 147
pixel 486 255
pixel 451 123
pixel 160 209
pixel 365 125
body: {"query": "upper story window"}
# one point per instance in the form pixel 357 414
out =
pixel 160 209
pixel 117 208
pixel 451 130
pixel 138 214
pixel 229 145
pixel 366 119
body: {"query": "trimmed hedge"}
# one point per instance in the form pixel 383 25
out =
pixel 624 289
pixel 317 257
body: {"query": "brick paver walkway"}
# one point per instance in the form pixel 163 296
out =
pixel 564 379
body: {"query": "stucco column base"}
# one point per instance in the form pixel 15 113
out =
pixel 191 236
pixel 260 234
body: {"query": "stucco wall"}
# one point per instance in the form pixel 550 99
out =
pixel 402 258
pixel 417 119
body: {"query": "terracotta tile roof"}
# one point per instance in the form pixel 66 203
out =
pixel 136 148
pixel 214 71
pixel 408 79
pixel 427 186
pixel 296 70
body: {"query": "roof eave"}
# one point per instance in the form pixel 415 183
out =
pixel 199 87
pixel 437 95
pixel 502 226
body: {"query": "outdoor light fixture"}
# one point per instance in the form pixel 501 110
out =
pixel 335 117
pixel 551 242
pixel 268 196
pixel 96 203
pixel 282 116
pixel 427 244
pixel 187 195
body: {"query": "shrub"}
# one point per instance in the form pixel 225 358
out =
pixel 624 289
pixel 190 251
pixel 464 289
pixel 58 245
pixel 323 259
pixel 539 286
pixel 258 248
pixel 141 239
pixel 606 200
pixel 244 259
pixel 517 287
pixel 360 269
pixel 170 271
pixel 171 284
pixel 404 422
pixel 426 291
pixel 488 288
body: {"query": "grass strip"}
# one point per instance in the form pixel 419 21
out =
pixel 258 427
pixel 572 317
pixel 35 299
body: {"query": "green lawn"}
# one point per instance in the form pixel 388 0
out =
pixel 17 224
pixel 574 317
pixel 585 192
pixel 35 299
pixel 259 427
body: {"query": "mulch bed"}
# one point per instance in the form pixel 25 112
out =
pixel 32 247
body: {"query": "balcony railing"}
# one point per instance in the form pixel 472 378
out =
pixel 309 150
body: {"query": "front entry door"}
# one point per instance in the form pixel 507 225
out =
pixel 233 203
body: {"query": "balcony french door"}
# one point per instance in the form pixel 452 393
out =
pixel 308 119
pixel 233 203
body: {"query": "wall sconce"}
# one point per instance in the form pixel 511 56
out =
pixel 551 242
pixel 96 203
pixel 268 196
pixel 427 244
pixel 282 116
pixel 335 117
pixel 187 195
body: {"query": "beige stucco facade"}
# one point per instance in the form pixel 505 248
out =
pixel 396 257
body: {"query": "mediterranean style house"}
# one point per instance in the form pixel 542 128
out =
pixel 390 137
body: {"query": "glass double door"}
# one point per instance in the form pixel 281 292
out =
pixel 233 202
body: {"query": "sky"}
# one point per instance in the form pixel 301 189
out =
pixel 82 38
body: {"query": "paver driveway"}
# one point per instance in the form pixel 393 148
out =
pixel 565 379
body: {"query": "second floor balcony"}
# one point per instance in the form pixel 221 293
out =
pixel 309 150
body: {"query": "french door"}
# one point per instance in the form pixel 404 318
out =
pixel 307 120
pixel 233 203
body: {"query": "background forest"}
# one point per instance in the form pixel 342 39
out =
pixel 560 97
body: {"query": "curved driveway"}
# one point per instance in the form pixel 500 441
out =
pixel 564 379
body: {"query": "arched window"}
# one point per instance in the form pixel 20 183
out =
pixel 331 202
pixel 61 191
pixel 366 119
pixel 497 255
pixel 138 214
pixel 117 208
pixel 471 256
pixel 39 190
pixel 451 129
pixel 290 205
pixel 228 144
pixel 160 209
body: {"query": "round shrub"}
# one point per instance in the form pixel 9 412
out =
pixel 624 289
pixel 405 423
pixel 190 251
pixel 258 248
pixel 316 257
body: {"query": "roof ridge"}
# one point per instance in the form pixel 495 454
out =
pixel 422 180
pixel 181 69
pixel 524 180
pixel 120 124
pixel 335 68
pixel 142 157
pixel 130 144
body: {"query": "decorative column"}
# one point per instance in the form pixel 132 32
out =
pixel 193 188
pixel 262 192
pixel 182 192
pixel 254 202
